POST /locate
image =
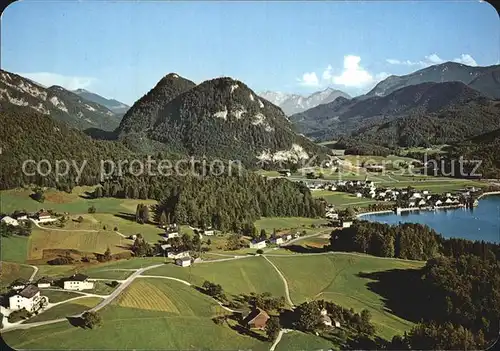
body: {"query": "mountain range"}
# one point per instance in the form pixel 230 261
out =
pixel 59 103
pixel 119 108
pixel 294 103
pixel 220 117
pixel 484 79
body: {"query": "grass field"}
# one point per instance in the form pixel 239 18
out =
pixel 66 309
pixel 10 271
pixel 171 317
pixel 301 341
pixel 270 223
pixel 58 295
pixel 74 203
pixel 335 277
pixel 246 275
pixel 14 248
pixel 87 242
pixel 341 200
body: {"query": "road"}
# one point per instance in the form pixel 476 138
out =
pixel 63 230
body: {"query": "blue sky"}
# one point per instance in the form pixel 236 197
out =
pixel 121 49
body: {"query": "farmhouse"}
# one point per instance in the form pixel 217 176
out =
pixel 28 298
pixel 325 319
pixel 10 221
pixel 288 237
pixel 257 244
pixel 19 284
pixel 20 216
pixel 422 202
pixel 171 235
pixel 346 224
pixel 177 255
pixel 43 282
pixel 44 217
pixel 183 262
pixel 78 282
pixel 209 232
pixel 256 319
pixel 277 240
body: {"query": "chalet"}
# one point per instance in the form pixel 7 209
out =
pixel 277 240
pixel 10 221
pixel 44 217
pixel 209 232
pixel 332 215
pixel 256 319
pixel 285 172
pixel 422 202
pixel 183 261
pixel 78 282
pixel 288 237
pixel 325 319
pixel 359 195
pixel 177 255
pixel 438 203
pixel 448 194
pixel 165 246
pixel 257 244
pixel 19 284
pixel 425 192
pixel 170 235
pixel 44 282
pixel 29 298
pixel 448 201
pixel 20 216
pixel 345 224
pixel 416 196
pixel 411 204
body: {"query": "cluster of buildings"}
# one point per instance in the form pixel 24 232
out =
pixel 404 197
pixel 27 295
pixel 275 240
pixel 17 217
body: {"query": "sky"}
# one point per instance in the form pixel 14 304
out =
pixel 121 49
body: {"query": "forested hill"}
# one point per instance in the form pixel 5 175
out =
pixel 29 135
pixel 57 102
pixel 218 118
pixel 427 112
pixel 145 111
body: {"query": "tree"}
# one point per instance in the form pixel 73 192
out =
pixel 91 319
pixel 272 328
pixel 163 218
pixel 263 234
pixel 308 316
pixel 92 209
pixel 260 251
pixel 233 242
pixel 214 290
pixel 107 254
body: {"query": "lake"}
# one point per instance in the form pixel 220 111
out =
pixel 479 223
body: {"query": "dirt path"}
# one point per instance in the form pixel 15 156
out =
pixel 287 292
pixel 63 230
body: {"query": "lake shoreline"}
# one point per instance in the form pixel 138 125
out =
pixel 427 208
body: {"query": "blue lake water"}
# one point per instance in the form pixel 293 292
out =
pixel 479 223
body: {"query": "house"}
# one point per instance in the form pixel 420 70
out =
pixel 177 255
pixel 277 240
pixel 332 215
pixel 425 192
pixel 256 319
pixel 183 261
pixel 171 235
pixel 359 195
pixel 449 201
pixel 165 246
pixel 43 282
pixel 209 232
pixel 10 221
pixel 411 204
pixel 44 217
pixel 336 323
pixel 416 196
pixel 438 203
pixel 257 244
pixel 346 224
pixel 20 216
pixel 19 284
pixel 132 237
pixel 448 194
pixel 285 172
pixel 325 319
pixel 288 237
pixel 29 298
pixel 78 282
pixel 421 202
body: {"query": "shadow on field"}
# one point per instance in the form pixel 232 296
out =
pixel 402 291
pixel 304 249
pixel 126 215
pixel 87 195
pixel 76 321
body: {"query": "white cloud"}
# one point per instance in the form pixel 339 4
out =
pixel 353 74
pixel 466 59
pixel 433 59
pixel 309 79
pixel 327 73
pixel 67 82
